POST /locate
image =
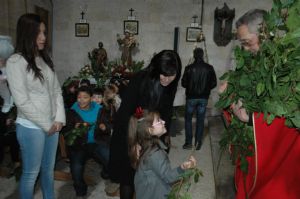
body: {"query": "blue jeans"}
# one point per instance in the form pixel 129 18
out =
pixel 200 106
pixel 38 151
pixel 78 157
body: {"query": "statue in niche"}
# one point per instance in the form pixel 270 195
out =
pixel 99 57
pixel 223 25
pixel 127 43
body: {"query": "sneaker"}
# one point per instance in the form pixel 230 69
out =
pixel 198 145
pixel 187 146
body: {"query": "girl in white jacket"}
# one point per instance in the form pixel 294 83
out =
pixel 37 95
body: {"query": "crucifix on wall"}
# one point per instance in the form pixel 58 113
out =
pixel 131 25
pixel 82 15
pixel 82 28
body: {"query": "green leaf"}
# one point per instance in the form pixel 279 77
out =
pixel 296 119
pixel 288 122
pixel 287 3
pixel 284 79
pixel 275 107
pixel 274 77
pixel 298 87
pixel 196 177
pixel 270 118
pixel 240 63
pixel 291 37
pixel 293 21
pixel 260 88
pixel 223 103
pixel 225 75
pixel 245 81
pixel 244 165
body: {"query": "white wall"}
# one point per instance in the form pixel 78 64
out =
pixel 157 20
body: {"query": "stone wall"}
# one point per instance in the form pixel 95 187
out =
pixel 157 20
pixel 11 10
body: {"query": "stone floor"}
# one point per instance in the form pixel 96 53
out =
pixel 217 183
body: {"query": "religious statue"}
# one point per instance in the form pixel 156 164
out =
pixel 127 44
pixel 99 57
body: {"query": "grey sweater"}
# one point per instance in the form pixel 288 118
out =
pixel 154 175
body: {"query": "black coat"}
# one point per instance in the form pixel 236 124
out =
pixel 198 79
pixel 134 96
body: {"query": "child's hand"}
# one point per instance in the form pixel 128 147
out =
pixel 102 127
pixel 191 163
pixel 77 125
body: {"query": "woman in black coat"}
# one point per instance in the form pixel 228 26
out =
pixel 154 89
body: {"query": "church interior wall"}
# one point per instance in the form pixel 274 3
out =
pixel 157 20
pixel 11 10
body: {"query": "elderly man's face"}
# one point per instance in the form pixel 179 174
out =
pixel 249 41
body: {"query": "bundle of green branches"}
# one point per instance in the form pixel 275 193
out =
pixel 267 82
pixel 78 132
pixel 180 190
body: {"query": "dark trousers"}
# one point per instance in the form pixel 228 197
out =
pixel 10 140
pixel 79 156
pixel 200 106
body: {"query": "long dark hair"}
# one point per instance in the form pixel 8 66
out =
pixel 139 134
pixel 28 28
pixel 167 63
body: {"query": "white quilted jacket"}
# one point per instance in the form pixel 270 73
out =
pixel 40 103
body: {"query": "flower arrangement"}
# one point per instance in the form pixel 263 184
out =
pixel 265 80
pixel 86 72
pixel 103 72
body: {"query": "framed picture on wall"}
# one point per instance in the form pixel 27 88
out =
pixel 131 26
pixel 81 29
pixel 192 33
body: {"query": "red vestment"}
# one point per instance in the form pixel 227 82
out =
pixel 274 170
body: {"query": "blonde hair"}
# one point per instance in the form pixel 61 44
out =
pixel 139 134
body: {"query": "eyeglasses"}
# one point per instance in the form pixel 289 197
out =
pixel 160 121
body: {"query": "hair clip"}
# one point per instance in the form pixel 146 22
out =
pixel 139 113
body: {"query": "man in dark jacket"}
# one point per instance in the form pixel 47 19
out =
pixel 198 79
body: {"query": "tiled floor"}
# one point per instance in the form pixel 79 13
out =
pixel 215 184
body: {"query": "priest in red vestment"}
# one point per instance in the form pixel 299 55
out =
pixel 274 170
